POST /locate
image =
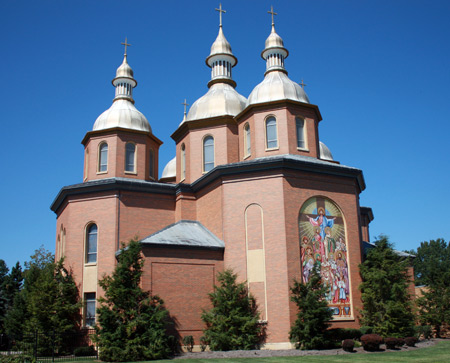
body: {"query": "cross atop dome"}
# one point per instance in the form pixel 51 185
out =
pixel 272 13
pixel 126 45
pixel 220 13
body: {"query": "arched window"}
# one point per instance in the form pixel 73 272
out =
pixel 300 127
pixel 91 244
pixel 271 133
pixel 130 153
pixel 247 140
pixel 183 162
pixel 103 157
pixel 151 164
pixel 208 153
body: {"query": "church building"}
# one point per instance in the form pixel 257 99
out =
pixel 251 188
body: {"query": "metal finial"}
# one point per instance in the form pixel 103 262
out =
pixel 126 45
pixel 272 13
pixel 220 12
pixel 303 84
pixel 185 104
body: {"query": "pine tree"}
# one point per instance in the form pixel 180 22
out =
pixel 3 301
pixel 308 331
pixel 432 269
pixel 233 321
pixel 131 322
pixel 384 291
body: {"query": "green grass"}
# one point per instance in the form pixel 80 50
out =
pixel 435 354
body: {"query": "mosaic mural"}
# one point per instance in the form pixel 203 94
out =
pixel 322 241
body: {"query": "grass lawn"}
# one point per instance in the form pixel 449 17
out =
pixel 438 353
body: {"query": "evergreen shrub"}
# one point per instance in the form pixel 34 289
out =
pixel 188 342
pixel 203 343
pixel 366 330
pixel 424 331
pixel 348 345
pixel 371 342
pixel 84 351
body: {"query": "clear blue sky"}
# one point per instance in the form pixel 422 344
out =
pixel 378 70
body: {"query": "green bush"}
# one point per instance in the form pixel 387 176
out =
pixel 366 330
pixel 339 334
pixel 188 342
pixel 87 351
pixel 17 358
pixel 423 330
pixel 203 343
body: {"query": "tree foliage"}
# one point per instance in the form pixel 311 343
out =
pixel 232 323
pixel 48 301
pixel 432 269
pixel 309 329
pixel 132 323
pixel 384 291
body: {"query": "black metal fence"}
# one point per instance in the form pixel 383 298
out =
pixel 51 347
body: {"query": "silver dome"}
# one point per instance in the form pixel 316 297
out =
pixel 122 113
pixel 124 69
pixel 221 99
pixel 170 170
pixel 325 153
pixel 221 45
pixel 275 41
pixel 277 86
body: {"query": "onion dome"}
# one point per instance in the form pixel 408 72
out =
pixel 221 98
pixel 276 84
pixel 324 152
pixel 170 170
pixel 123 113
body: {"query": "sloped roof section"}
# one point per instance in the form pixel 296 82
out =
pixel 185 234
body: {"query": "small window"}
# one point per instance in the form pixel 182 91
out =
pixel 300 127
pixel 103 157
pixel 183 162
pixel 247 140
pixel 208 153
pixel 91 244
pixel 130 152
pixel 89 313
pixel 151 164
pixel 271 133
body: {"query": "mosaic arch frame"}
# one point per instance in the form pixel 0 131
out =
pixel 323 241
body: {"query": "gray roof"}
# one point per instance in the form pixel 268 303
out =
pixel 185 234
pixel 369 245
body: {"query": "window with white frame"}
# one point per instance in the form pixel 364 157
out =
pixel 271 133
pixel 151 164
pixel 103 157
pixel 300 128
pixel 183 162
pixel 208 153
pixel 247 140
pixel 130 155
pixel 89 309
pixel 91 244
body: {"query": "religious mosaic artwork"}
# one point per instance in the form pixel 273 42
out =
pixel 322 242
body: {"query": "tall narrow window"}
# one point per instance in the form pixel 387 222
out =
pixel 103 157
pixel 183 162
pixel 208 153
pixel 247 140
pixel 300 126
pixel 89 309
pixel 271 133
pixel 151 164
pixel 130 151
pixel 91 244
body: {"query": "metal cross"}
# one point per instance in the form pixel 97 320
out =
pixel 185 104
pixel 272 13
pixel 220 12
pixel 303 84
pixel 126 44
